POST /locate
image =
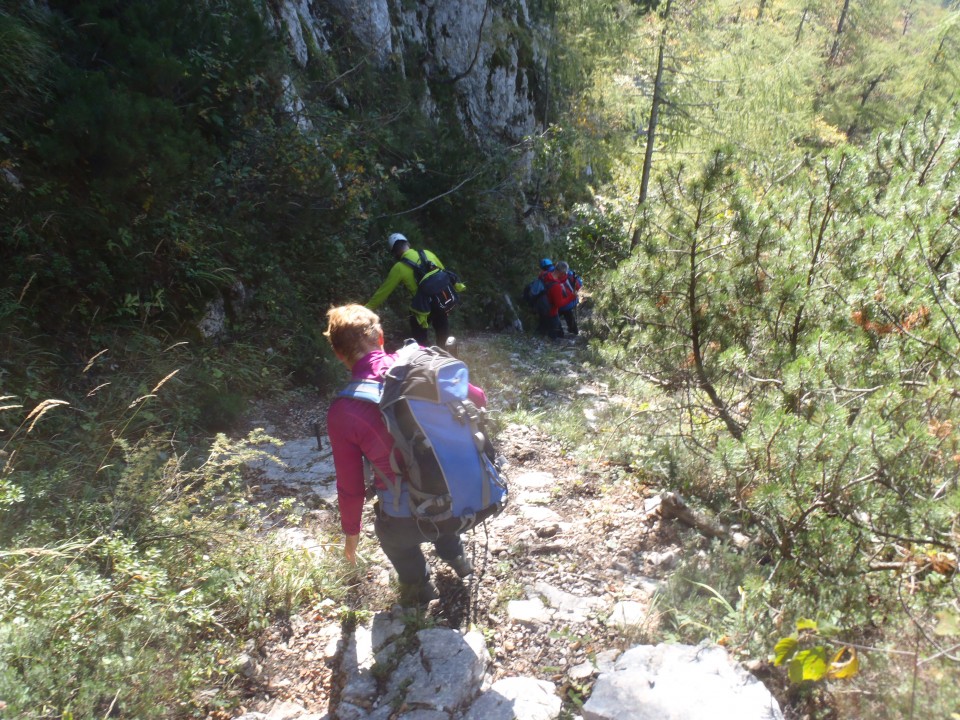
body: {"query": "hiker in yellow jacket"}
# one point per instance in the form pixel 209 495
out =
pixel 433 287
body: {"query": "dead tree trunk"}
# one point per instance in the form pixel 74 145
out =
pixel 834 51
pixel 652 123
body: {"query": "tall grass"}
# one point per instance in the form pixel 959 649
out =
pixel 134 565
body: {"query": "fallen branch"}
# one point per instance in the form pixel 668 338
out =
pixel 673 507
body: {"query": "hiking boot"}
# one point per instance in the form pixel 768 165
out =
pixel 461 566
pixel 412 594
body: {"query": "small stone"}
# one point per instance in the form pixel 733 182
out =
pixel 548 531
pixel 582 671
pixel 527 611
pixel 247 666
pixel 628 614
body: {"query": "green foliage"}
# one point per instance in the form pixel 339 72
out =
pixel 163 575
pixel 808 662
pixel 25 65
pixel 803 337
pixel 107 225
pixel 748 302
pixel 157 606
pixel 64 453
pixel 99 226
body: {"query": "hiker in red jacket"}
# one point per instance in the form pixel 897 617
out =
pixel 537 296
pixel 357 431
pixel 560 297
pixel 573 283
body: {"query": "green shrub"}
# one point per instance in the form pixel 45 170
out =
pixel 155 609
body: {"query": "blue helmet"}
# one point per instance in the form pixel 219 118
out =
pixel 546 264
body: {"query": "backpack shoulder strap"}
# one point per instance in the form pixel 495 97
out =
pixel 371 391
pixel 367 390
pixel 411 264
pixel 421 269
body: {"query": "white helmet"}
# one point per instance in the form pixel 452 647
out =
pixel 394 239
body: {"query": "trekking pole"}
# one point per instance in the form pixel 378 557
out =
pixel 479 570
pixel 472 582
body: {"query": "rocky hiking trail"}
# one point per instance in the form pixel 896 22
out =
pixel 564 584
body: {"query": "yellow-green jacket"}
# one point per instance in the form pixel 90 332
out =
pixel 401 272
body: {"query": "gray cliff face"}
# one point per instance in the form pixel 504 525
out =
pixel 485 51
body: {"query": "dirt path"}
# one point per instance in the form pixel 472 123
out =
pixel 564 576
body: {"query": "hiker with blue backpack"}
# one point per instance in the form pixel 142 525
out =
pixel 536 294
pixel 434 288
pixel 415 419
pixel 548 295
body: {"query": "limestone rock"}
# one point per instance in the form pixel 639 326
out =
pixel 628 614
pixel 516 698
pixel 444 673
pixel 679 682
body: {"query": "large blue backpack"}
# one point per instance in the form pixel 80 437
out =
pixel 441 448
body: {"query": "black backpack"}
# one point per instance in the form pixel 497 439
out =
pixel 533 292
pixel 435 287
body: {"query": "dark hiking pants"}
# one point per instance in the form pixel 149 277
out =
pixel 401 537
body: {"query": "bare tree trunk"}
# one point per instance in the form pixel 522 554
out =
pixel 673 507
pixel 864 96
pixel 803 19
pixel 652 123
pixel 908 13
pixel 836 40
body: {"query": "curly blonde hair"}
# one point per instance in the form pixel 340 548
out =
pixel 353 331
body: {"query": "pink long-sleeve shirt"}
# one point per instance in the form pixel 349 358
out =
pixel 357 430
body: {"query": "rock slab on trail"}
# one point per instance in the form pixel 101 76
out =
pixel 679 682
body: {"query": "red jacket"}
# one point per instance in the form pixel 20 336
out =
pixel 558 294
pixel 573 284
